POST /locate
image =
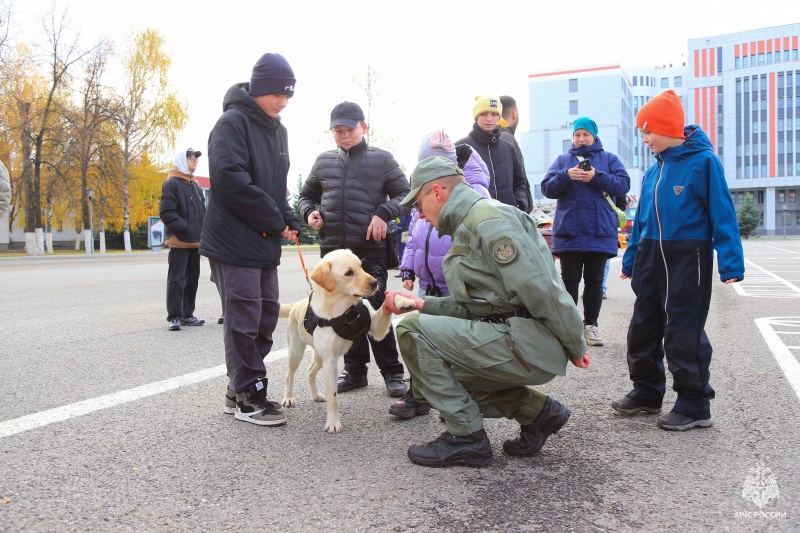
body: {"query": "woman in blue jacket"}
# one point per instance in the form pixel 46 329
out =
pixel 585 227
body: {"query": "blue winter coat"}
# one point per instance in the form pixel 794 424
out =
pixel 685 197
pixel 585 221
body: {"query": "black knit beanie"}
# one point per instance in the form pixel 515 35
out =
pixel 272 75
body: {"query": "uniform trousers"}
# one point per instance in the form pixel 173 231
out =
pixel 466 370
pixel 673 294
pixel 250 305
pixel 183 276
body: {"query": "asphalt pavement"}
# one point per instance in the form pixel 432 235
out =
pixel 110 422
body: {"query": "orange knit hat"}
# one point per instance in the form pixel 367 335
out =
pixel 663 114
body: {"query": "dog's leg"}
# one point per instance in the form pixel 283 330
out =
pixel 333 423
pixel 313 369
pixel 296 349
pixel 381 321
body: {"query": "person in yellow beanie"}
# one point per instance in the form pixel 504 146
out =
pixel 685 213
pixel 508 181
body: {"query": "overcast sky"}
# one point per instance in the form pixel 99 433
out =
pixel 431 58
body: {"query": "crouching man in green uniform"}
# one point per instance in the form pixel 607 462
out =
pixel 507 323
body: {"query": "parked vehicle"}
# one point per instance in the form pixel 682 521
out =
pixel 546 230
pixel 630 213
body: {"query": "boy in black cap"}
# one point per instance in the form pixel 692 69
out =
pixel 349 196
pixel 246 218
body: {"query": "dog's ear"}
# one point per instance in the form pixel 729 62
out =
pixel 323 276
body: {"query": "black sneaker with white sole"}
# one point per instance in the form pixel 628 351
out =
pixel 252 406
pixel 673 421
pixel 175 325
pixel 192 321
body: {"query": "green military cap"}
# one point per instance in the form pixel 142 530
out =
pixel 426 171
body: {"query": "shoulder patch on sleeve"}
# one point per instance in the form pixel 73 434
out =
pixel 504 251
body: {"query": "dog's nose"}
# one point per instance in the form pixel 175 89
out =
pixel 373 283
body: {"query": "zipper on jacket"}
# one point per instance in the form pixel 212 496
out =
pixel 660 235
pixel 516 354
pixel 344 206
pixel 493 176
pixel 698 267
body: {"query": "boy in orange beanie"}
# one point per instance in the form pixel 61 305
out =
pixel 669 261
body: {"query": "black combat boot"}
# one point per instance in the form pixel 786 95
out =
pixel 448 449
pixel 532 436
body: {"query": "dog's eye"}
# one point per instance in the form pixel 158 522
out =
pixel 350 272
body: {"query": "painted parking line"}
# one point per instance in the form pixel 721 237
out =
pixel 763 283
pixel 782 335
pixel 85 407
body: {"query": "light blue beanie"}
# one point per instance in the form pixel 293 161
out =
pixel 585 123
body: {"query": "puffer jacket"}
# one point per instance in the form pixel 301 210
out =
pixel 425 248
pixel 585 221
pixel 248 156
pixel 508 181
pixel 373 184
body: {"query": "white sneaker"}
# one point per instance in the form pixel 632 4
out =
pixel 592 336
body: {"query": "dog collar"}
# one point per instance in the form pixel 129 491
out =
pixel 352 325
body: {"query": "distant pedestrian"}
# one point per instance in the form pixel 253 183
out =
pixel 182 209
pixel 685 213
pixel 585 226
pixel 508 129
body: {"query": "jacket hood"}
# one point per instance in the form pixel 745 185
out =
pixel 587 150
pixel 695 141
pixel 238 97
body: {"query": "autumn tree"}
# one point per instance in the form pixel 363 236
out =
pixel 63 51
pixel 150 115
pixel 85 121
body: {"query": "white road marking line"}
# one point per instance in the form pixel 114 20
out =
pixel 85 407
pixel 782 353
pixel 767 283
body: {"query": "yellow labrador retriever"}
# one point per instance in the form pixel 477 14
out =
pixel 337 311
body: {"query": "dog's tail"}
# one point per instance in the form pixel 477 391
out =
pixel 285 310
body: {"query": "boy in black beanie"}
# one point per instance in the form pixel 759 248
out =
pixel 247 216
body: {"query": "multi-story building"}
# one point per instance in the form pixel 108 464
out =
pixel 741 88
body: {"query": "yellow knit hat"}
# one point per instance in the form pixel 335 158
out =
pixel 485 103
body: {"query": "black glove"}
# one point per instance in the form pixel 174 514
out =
pixel 463 152
pixel 408 275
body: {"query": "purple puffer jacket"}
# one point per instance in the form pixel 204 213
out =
pixel 424 241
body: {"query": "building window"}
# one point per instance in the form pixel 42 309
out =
pixel 761 197
pixel 664 83
pixel 678 81
pixel 573 85
pixel 792 196
pixel 740 198
pixel 573 107
pixel 781 196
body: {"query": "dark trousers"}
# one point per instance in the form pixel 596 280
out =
pixel 182 281
pixel 590 266
pixel 250 305
pixel 385 351
pixel 673 294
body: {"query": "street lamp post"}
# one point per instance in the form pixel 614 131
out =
pixel 785 222
pixel 90 194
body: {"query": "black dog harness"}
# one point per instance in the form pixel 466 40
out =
pixel 352 325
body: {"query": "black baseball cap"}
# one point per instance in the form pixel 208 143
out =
pixel 346 114
pixel 191 151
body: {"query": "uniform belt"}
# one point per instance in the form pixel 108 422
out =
pixel 502 317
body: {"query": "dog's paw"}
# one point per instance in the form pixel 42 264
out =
pixel 318 397
pixel 289 401
pixel 402 303
pixel 333 426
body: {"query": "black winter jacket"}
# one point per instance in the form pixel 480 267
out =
pixel 182 209
pixel 508 180
pixel 248 157
pixel 373 185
